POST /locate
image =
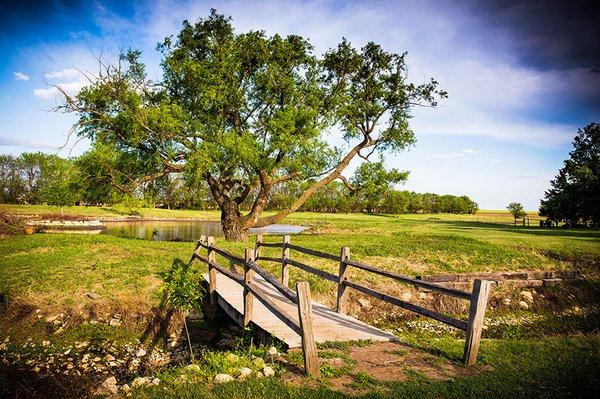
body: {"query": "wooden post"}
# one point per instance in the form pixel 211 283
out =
pixel 202 240
pixel 257 248
pixel 311 361
pixel 212 272
pixel 342 296
pixel 479 298
pixel 248 277
pixel 285 254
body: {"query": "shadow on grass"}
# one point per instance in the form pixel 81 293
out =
pixel 537 231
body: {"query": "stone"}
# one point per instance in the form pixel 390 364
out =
pixel 193 367
pixel 140 352
pixel 364 303
pixel 155 381
pixel 259 374
pixel 140 382
pixel 221 378
pixel 114 322
pixel 523 305
pixel 125 388
pixel 527 296
pixel 93 295
pixel 108 387
pixel 51 319
pixel 45 343
pixel 506 301
pixel 268 371
pixel 406 296
pixel 232 357
pixel 245 372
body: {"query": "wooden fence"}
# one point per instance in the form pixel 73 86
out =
pixel 478 297
pixel 301 298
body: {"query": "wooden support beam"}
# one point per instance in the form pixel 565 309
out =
pixel 342 295
pixel 248 278
pixel 257 250
pixel 199 245
pixel 479 298
pixel 311 361
pixel 285 254
pixel 212 272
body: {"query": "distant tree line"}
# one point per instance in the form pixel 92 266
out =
pixel 38 178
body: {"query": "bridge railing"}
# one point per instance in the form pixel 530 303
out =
pixel 300 298
pixel 478 297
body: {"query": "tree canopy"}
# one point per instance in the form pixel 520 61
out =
pixel 574 196
pixel 246 113
pixel 516 209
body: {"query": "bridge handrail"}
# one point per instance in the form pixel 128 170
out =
pixel 285 291
pixel 478 297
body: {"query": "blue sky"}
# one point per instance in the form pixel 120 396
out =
pixel 521 79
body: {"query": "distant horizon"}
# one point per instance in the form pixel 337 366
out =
pixel 519 87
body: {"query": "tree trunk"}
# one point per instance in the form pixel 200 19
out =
pixel 232 222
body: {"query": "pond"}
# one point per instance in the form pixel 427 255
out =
pixel 184 230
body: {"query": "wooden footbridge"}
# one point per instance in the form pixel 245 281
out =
pixel 293 318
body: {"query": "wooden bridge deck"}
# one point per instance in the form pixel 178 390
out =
pixel 328 325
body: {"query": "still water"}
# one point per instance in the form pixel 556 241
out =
pixel 181 230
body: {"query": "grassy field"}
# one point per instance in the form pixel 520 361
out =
pixel 541 352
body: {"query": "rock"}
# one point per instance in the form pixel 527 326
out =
pixel 193 367
pixel 108 387
pixel 406 296
pixel 114 322
pixel 272 355
pixel 93 295
pixel 155 381
pixel 221 378
pixel 268 371
pixel 140 382
pixel 506 301
pixel 45 343
pixel 523 305
pixel 364 303
pixel 259 374
pixel 140 352
pixel 125 388
pixel 51 319
pixel 245 372
pixel 232 357
pixel 527 296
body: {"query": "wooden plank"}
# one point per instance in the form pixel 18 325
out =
pixel 310 269
pixel 481 291
pixel 409 306
pixel 285 254
pixel 257 250
pixel 274 308
pixel 312 252
pixel 212 272
pixel 328 325
pixel 311 361
pixel 342 296
pixel 271 244
pixel 230 274
pixel 413 281
pixel 248 278
pixel 198 246
pixel 285 291
pixel 269 259
pixel 227 255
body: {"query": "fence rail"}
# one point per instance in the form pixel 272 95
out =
pixel 301 298
pixel 478 297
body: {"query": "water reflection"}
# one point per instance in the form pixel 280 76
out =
pixel 181 230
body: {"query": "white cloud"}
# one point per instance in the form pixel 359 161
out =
pixel 68 74
pixel 52 93
pixel 21 76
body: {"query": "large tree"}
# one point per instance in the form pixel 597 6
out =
pixel 574 196
pixel 247 112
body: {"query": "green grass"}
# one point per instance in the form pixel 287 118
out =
pixel 55 268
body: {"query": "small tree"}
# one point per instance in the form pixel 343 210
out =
pixel 183 290
pixel 516 209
